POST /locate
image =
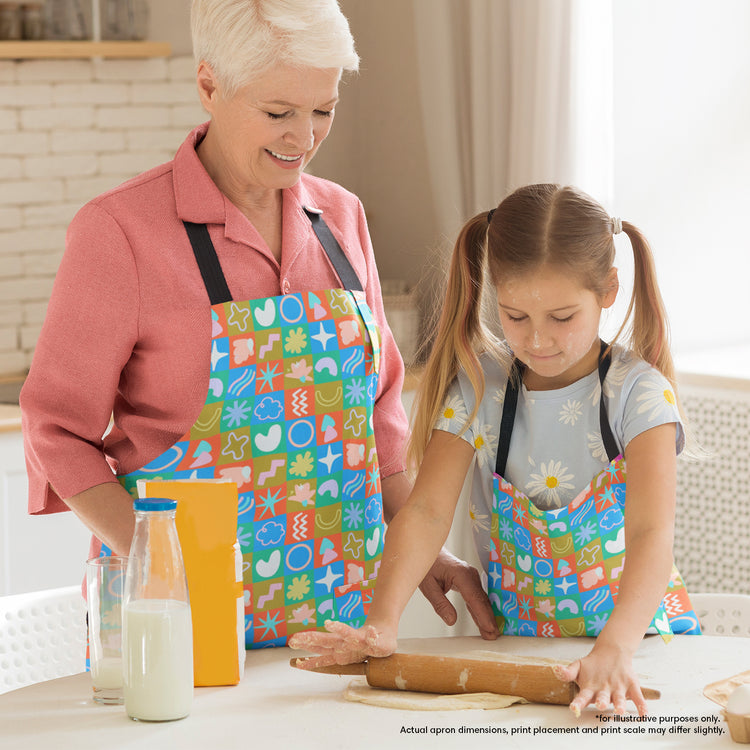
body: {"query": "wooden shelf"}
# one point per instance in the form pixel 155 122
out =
pixel 67 50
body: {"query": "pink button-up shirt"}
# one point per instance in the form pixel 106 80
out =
pixel 128 335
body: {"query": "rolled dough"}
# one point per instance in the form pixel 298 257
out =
pixel 405 700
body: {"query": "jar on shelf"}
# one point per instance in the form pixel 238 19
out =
pixel 124 19
pixel 66 19
pixel 10 21
pixel 32 19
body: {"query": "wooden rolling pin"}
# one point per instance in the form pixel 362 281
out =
pixel 449 675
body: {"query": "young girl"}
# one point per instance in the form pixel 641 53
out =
pixel 541 414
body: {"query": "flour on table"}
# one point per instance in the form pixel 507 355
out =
pixel 359 691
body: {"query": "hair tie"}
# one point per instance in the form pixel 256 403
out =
pixel 490 214
pixel 616 225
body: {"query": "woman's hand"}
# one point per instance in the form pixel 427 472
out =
pixel 605 677
pixel 448 573
pixel 343 644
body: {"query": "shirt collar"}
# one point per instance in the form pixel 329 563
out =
pixel 197 198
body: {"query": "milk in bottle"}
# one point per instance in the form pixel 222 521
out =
pixel 157 628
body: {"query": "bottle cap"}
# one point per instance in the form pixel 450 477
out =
pixel 154 503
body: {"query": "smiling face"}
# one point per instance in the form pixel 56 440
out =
pixel 261 138
pixel 551 323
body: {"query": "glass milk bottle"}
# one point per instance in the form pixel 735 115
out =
pixel 157 640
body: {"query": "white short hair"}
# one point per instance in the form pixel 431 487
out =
pixel 242 39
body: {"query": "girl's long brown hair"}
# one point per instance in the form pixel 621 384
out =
pixel 534 226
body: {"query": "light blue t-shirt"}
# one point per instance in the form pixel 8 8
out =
pixel 556 448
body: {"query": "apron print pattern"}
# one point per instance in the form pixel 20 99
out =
pixel 288 418
pixel 557 572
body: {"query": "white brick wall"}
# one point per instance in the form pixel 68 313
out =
pixel 69 130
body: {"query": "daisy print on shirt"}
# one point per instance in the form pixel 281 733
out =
pixel 454 409
pixel 571 412
pixel 618 371
pixel 596 447
pixel 657 400
pixel 479 521
pixel 485 444
pixel 551 485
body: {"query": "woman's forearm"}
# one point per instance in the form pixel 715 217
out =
pixel 107 510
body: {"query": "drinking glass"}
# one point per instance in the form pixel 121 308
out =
pixel 105 579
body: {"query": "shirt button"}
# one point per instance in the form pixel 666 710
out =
pixel 285 286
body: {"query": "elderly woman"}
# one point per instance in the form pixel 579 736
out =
pixel 225 309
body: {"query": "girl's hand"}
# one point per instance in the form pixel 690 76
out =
pixel 605 677
pixel 342 644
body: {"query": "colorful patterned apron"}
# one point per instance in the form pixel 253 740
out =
pixel 288 417
pixel 557 572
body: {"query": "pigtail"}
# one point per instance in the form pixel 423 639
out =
pixel 649 329
pixel 460 335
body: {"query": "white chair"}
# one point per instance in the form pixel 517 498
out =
pixel 42 636
pixel 723 614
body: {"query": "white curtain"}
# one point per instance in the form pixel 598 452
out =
pixel 513 92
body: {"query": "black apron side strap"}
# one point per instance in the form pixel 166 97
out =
pixel 208 263
pixel 610 444
pixel 510 402
pixel 339 261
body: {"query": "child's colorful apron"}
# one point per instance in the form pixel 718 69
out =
pixel 288 417
pixel 557 572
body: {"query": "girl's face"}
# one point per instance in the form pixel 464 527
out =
pixel 551 323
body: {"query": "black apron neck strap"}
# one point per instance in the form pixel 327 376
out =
pixel 610 444
pixel 208 263
pixel 339 261
pixel 213 275
pixel 510 403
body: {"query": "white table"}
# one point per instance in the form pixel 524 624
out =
pixel 277 706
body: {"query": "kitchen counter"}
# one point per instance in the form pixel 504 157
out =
pixel 10 417
pixel 275 704
pixel 10 413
